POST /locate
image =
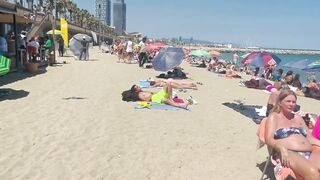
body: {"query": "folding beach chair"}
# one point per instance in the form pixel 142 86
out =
pixel 4 69
pixel 4 65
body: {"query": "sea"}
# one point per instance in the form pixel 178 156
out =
pixel 285 58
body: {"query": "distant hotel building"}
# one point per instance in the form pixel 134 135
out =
pixel 103 7
pixel 119 16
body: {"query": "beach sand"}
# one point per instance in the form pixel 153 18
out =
pixel 70 124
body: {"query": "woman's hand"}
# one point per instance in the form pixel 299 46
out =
pixel 284 156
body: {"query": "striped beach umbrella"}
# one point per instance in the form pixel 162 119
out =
pixel 261 59
pixel 4 65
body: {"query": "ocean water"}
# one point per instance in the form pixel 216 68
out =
pixel 284 59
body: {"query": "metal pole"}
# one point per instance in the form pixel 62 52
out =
pixel 99 39
pixel 53 31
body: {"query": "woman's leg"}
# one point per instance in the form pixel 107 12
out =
pixel 303 166
pixel 315 157
pixel 183 86
pixel 168 89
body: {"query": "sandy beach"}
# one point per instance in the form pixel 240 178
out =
pixel 69 123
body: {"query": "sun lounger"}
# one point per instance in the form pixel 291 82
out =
pixel 4 65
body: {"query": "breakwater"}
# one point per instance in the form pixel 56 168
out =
pixel 249 50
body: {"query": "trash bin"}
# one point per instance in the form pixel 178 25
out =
pixel 51 60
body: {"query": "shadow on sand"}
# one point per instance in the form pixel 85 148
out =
pixel 269 172
pixel 246 110
pixel 17 76
pixel 11 94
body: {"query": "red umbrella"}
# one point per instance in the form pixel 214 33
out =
pixel 155 46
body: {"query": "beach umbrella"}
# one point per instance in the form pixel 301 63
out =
pixel 261 59
pixel 244 55
pixel 76 46
pixel 200 53
pixel 56 32
pixel 155 46
pixel 168 59
pixel 301 64
pixel 314 66
pixel 214 53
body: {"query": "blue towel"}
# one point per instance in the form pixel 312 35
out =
pixel 157 106
pixel 144 83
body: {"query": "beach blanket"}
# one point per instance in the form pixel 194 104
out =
pixel 156 106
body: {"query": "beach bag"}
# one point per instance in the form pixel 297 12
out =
pixel 316 129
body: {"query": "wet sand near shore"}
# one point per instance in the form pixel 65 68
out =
pixel 71 124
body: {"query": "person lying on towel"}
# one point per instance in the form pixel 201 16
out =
pixel 175 83
pixel 163 96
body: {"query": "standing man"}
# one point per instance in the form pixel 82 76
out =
pixel 84 48
pixel 3 45
pixel 235 59
pixel 143 52
pixel 48 47
pixel 61 46
pixel 129 50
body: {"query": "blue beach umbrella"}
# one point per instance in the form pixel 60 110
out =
pixel 301 64
pixel 314 66
pixel 168 59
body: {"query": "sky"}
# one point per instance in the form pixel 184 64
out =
pixel 290 24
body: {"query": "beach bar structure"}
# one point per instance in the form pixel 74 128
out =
pixel 11 20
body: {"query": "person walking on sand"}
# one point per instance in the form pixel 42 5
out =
pixel 143 52
pixel 84 48
pixel 129 50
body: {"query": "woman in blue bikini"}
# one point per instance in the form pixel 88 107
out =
pixel 289 136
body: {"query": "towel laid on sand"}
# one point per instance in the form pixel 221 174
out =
pixel 157 106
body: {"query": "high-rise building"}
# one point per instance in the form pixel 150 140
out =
pixel 103 11
pixel 119 16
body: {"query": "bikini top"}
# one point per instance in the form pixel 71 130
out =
pixel 286 132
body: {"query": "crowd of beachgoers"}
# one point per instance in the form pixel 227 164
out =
pixel 285 128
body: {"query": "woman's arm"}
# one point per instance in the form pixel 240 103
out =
pixel 271 126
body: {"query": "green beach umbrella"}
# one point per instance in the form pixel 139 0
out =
pixel 4 65
pixel 200 53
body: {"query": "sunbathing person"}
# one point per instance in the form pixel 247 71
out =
pixel 257 83
pixel 273 97
pixel 289 137
pixel 175 83
pixel 163 96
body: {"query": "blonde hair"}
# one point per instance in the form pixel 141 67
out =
pixel 283 94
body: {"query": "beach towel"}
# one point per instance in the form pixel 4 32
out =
pixel 156 106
